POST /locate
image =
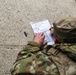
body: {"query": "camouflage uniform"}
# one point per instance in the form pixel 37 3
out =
pixel 58 59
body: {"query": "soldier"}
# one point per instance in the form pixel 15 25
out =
pixel 59 59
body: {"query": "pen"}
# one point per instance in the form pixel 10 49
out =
pixel 25 34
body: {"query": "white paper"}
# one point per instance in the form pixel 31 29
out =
pixel 44 27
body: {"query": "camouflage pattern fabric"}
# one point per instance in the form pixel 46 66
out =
pixel 68 48
pixel 65 30
pixel 32 60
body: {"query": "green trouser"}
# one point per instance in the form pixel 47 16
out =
pixel 33 60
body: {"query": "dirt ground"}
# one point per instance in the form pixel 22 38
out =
pixel 15 18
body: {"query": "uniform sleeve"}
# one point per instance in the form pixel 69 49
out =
pixel 24 56
pixel 31 47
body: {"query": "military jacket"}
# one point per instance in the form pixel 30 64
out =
pixel 58 59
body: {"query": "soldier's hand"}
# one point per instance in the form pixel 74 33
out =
pixel 39 38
